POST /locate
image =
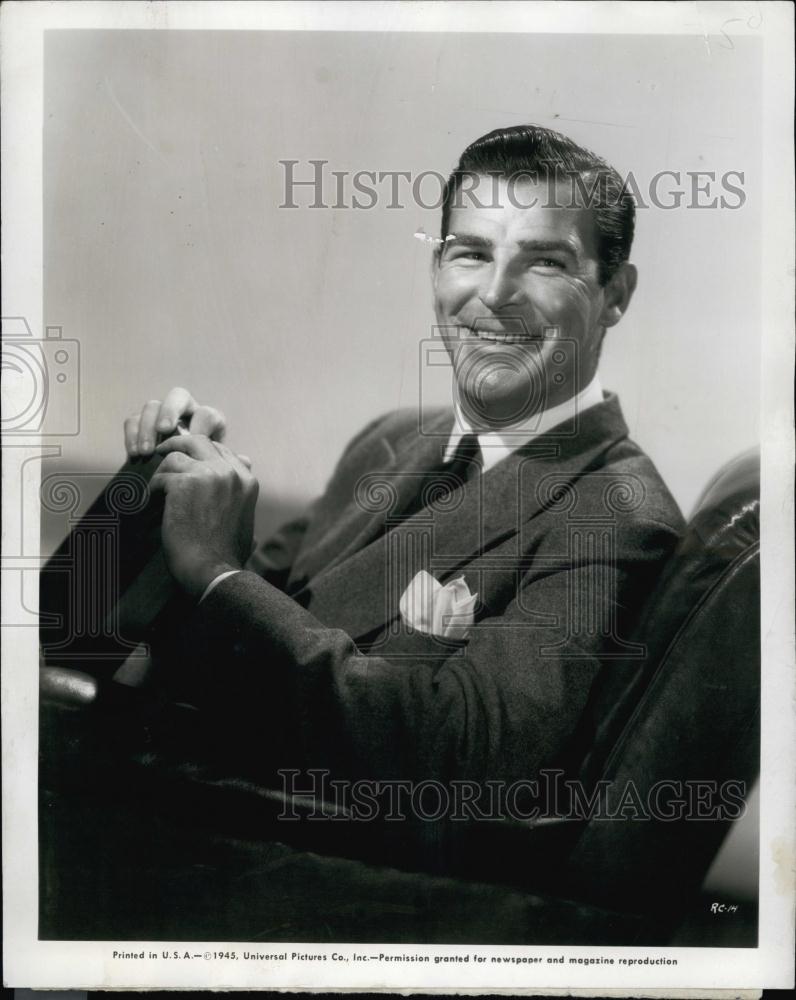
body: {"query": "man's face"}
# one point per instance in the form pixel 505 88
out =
pixel 508 282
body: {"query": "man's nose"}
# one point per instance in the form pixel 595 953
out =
pixel 500 288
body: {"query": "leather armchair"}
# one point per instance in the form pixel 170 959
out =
pixel 693 714
pixel 160 837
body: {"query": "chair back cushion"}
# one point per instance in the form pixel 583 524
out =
pixel 677 744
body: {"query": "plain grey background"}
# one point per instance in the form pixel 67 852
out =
pixel 168 258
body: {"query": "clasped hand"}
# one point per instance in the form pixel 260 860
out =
pixel 210 492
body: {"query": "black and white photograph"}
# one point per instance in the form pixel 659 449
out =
pixel 398 505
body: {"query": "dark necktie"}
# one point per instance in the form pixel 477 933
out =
pixel 447 477
pixel 466 461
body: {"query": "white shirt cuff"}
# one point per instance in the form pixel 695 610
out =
pixel 214 583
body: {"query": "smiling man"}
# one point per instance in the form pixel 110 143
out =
pixel 444 609
pixel 544 256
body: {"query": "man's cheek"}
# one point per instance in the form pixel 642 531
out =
pixel 577 299
pixel 564 300
pixel 452 292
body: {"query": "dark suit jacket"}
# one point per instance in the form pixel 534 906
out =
pixel 307 654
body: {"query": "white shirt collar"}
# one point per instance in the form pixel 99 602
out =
pixel 496 445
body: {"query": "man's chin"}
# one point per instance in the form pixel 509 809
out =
pixel 499 405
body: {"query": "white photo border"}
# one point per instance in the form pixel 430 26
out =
pixel 38 964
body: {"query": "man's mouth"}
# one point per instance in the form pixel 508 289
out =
pixel 503 336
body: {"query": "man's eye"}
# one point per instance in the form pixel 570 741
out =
pixel 468 255
pixel 548 263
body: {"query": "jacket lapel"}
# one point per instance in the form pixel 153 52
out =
pixel 358 591
pixel 392 480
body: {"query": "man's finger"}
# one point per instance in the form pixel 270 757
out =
pixel 236 461
pixel 163 482
pixel 131 434
pixel 171 472
pixel 146 427
pixel 176 462
pixel 207 420
pixel 194 445
pixel 178 403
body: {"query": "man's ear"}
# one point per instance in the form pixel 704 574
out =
pixel 618 293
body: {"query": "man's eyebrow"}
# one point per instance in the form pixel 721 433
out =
pixel 548 246
pixel 527 246
pixel 470 239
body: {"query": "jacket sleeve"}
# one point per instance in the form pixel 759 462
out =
pixel 498 705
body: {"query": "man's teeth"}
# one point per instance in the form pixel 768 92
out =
pixel 501 337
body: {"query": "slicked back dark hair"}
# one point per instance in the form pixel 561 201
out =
pixel 536 153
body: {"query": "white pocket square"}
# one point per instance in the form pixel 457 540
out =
pixel 445 611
